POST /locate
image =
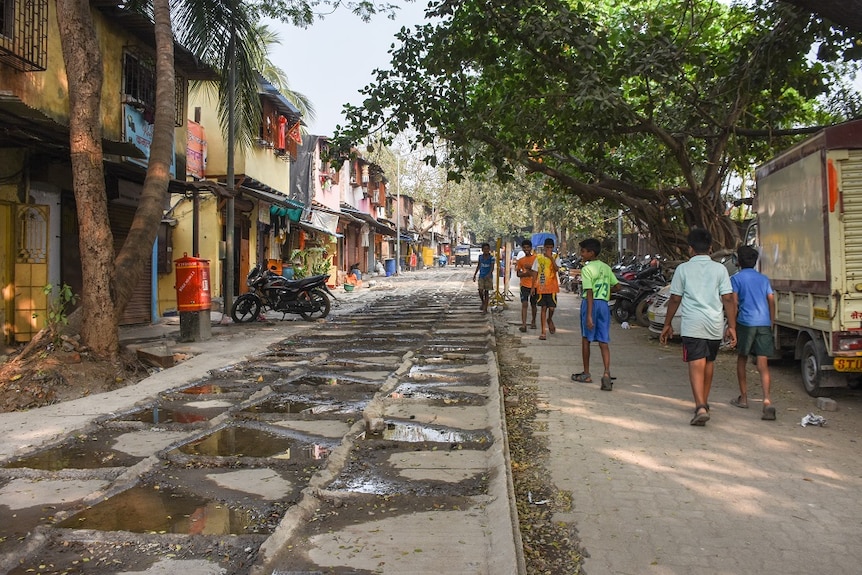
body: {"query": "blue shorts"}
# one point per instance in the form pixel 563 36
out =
pixel 527 295
pixel 601 331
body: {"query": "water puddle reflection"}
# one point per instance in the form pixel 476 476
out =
pixel 151 509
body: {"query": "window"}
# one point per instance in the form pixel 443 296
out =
pixel 7 12
pixel 139 85
pixel 23 34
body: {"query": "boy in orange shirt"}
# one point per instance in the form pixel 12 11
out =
pixel 546 284
pixel 524 271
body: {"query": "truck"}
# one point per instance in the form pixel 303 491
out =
pixel 809 230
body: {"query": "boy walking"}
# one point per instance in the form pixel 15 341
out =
pixel 703 288
pixel 524 271
pixel 756 304
pixel 597 281
pixel 485 270
pixel 546 285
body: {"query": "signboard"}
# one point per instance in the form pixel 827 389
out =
pixel 138 131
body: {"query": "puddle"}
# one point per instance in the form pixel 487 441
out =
pixel 82 452
pixel 416 433
pixel 412 391
pixel 291 405
pixel 286 405
pixel 240 441
pixel 164 414
pixel 152 509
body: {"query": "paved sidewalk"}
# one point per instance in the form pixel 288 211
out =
pixel 654 495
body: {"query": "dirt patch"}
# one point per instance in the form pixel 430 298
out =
pixel 549 546
pixel 50 374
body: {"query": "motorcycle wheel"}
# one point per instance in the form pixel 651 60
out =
pixel 246 308
pixel 641 312
pixel 321 304
pixel 622 311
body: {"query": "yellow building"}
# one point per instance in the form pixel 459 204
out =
pixel 38 219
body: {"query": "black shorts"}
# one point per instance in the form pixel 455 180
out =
pixel 754 340
pixel 694 348
pixel 547 300
pixel 527 295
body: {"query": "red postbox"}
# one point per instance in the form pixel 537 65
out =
pixel 193 283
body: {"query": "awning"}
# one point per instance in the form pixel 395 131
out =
pixel 23 126
pixel 272 198
pixel 378 227
pixel 307 226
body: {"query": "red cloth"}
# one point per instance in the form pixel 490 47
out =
pixel 295 133
pixel 282 129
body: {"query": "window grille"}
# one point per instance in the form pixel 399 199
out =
pixel 32 237
pixel 139 85
pixel 24 34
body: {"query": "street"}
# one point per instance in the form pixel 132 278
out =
pixel 372 442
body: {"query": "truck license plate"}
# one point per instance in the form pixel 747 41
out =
pixel 848 364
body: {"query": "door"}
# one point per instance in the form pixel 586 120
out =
pixel 30 306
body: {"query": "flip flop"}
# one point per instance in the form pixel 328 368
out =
pixel 543 337
pixel 532 326
pixel 582 377
pixel 522 329
pixel 700 419
pixel 768 413
pixel 737 402
pixel 551 327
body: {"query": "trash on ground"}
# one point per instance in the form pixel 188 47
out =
pixel 812 419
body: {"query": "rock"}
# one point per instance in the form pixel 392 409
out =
pixel 827 404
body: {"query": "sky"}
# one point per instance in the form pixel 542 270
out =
pixel 334 58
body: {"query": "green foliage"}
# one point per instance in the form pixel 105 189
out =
pixel 310 262
pixel 58 306
pixel 643 106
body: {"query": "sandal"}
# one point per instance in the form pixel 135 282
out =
pixel 532 326
pixel 737 402
pixel 522 329
pixel 543 337
pixel 768 413
pixel 607 384
pixel 700 419
pixel 582 377
pixel 551 327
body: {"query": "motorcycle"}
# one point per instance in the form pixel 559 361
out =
pixel 308 297
pixel 631 300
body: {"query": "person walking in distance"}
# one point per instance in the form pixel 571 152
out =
pixel 756 314
pixel 546 285
pixel 703 288
pixel 485 271
pixel 524 271
pixel 597 281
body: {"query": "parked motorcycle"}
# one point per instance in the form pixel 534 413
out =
pixel 308 297
pixel 630 301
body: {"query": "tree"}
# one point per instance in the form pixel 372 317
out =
pixel 649 106
pixel 210 28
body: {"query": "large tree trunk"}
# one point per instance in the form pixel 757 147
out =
pixel 139 243
pixel 84 74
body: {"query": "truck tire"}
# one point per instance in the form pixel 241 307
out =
pixel 812 374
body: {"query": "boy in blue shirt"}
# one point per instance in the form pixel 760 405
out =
pixel 485 270
pixel 756 305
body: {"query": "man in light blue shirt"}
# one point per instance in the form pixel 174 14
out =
pixel 703 288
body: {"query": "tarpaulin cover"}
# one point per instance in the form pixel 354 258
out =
pixel 539 239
